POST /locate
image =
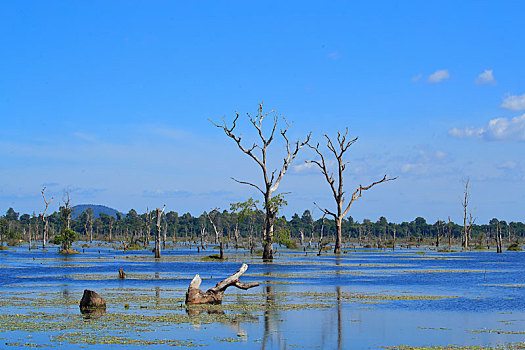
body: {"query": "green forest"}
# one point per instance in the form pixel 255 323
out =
pixel 243 222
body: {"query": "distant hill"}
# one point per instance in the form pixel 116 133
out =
pixel 97 210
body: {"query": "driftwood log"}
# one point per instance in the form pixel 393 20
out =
pixel 214 295
pixel 91 301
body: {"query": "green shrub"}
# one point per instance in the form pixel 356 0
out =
pixel 515 247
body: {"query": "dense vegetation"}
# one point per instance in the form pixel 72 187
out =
pixel 248 223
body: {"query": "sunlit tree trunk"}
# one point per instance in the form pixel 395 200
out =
pixel 157 232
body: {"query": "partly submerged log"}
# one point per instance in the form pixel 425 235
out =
pixel 91 301
pixel 214 295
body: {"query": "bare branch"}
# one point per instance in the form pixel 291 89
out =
pixel 359 191
pixel 237 139
pixel 248 183
pixel 289 158
pixel 325 211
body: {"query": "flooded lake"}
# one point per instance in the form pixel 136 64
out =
pixel 361 299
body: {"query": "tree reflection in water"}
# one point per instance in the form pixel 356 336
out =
pixel 271 322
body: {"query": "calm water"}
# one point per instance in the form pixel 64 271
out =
pixel 363 299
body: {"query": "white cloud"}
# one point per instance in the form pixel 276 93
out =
pixel 486 78
pixel 438 76
pixel 417 77
pixel 467 132
pixel 425 161
pixel 498 129
pixel 302 167
pixel 514 103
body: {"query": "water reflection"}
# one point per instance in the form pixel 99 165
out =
pixel 339 320
pixel 271 322
pixel 232 321
pixel 92 314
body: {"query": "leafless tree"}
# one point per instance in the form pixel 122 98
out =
pixel 320 245
pixel 468 219
pixel 147 224
pixel 272 179
pixel 449 234
pixel 336 185
pixel 211 217
pixel 45 218
pixel 157 232
pixel 394 237
pixel 499 240
pixel 218 237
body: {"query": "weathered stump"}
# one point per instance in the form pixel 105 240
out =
pixel 91 301
pixel 214 295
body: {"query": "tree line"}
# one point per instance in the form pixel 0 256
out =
pixel 244 224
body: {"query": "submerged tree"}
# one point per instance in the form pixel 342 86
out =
pixel 157 232
pixel 67 236
pixel 468 220
pixel 338 150
pixel 45 218
pixel 272 178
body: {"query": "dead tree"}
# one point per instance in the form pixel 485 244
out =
pixel 438 232
pixel 203 235
pixel 336 186
pixel 272 179
pixel 29 231
pixel 320 245
pixel 214 295
pixel 499 240
pixel 211 216
pixel 218 239
pixel 45 218
pixel 449 234
pixel 467 216
pixel 147 224
pixel 157 232
pixel 394 237
pixel 110 226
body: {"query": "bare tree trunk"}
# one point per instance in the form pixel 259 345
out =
pixel 338 235
pixel 45 219
pixel 214 295
pixel 321 234
pixel 449 234
pixel 236 235
pixel 29 238
pixel 203 238
pixel 394 241
pixel 157 232
pixel 471 220
pixel 217 239
pixel 268 235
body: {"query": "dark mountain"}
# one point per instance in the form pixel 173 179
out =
pixel 97 210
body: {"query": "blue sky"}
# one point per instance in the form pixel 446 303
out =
pixel 111 100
